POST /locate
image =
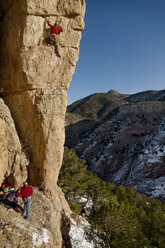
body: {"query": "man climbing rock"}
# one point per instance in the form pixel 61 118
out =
pixel 26 193
pixel 55 31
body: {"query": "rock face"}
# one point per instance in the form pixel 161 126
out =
pixel 33 84
pixel 39 232
pixel 145 108
pixel 34 80
pixel 13 157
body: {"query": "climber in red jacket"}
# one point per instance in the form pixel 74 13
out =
pixel 55 30
pixel 26 193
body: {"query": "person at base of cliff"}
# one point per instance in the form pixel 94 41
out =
pixel 5 188
pixel 55 30
pixel 26 193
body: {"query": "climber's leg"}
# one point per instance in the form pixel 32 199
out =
pixel 57 48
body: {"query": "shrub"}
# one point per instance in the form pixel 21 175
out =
pixel 120 217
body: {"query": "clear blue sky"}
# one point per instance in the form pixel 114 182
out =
pixel 122 48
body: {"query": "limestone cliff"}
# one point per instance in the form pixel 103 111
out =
pixel 145 108
pixel 13 157
pixel 33 84
pixel 34 80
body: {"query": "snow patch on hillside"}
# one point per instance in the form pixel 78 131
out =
pixel 131 148
pixel 39 238
pixel 139 169
pixel 78 234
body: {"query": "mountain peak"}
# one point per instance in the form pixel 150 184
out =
pixel 113 92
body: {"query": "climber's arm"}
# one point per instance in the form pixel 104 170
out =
pixel 48 23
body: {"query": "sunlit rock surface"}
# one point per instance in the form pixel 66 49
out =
pixel 33 84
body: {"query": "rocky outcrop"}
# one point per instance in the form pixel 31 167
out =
pixel 13 157
pixel 143 108
pixel 33 84
pixel 34 80
pixel 40 231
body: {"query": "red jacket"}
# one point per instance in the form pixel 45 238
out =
pixel 25 192
pixel 55 29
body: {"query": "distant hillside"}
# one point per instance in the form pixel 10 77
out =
pixel 101 106
pixel 145 96
pixel 124 144
pixel 97 106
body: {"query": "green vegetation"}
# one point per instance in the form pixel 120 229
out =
pixel 102 106
pixel 99 106
pixel 120 217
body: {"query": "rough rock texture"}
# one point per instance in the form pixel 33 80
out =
pixel 13 157
pixel 40 231
pixel 34 80
pixel 145 108
pixel 33 84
